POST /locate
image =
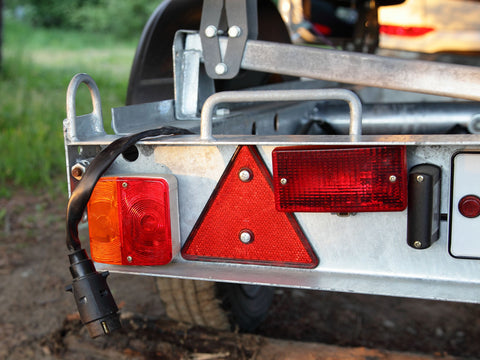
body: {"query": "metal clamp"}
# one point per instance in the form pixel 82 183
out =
pixel 240 19
pixel 84 126
pixel 355 130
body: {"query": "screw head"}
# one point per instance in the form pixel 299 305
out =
pixel 417 244
pixel 221 69
pixel 124 184
pixel 420 178
pixel 210 31
pixel 245 175
pixel 246 236
pixel 129 258
pixel 392 178
pixel 234 31
pixel 283 181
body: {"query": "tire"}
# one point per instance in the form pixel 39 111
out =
pixel 215 305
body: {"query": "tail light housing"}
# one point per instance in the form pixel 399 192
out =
pixel 340 180
pixel 134 220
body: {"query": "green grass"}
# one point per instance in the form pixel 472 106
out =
pixel 37 67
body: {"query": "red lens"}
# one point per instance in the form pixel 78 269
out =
pixel 145 221
pixel 469 206
pixel 340 180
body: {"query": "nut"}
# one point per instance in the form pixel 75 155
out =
pixel 78 170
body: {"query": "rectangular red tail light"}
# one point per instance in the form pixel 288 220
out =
pixel 134 220
pixel 340 180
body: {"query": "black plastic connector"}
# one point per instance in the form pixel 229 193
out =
pixel 95 303
pixel 424 190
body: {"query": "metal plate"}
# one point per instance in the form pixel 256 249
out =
pixel 366 253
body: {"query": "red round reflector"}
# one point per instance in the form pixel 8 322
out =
pixel 469 206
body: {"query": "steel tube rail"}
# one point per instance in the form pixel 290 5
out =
pixel 427 77
pixel 348 96
pixel 403 118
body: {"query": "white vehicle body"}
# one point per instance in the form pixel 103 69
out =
pixel 452 26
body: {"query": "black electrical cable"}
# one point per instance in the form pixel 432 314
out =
pixel 80 196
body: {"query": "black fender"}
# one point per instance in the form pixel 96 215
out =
pixel 151 76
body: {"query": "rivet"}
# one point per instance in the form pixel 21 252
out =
pixel 417 244
pixel 283 181
pixel 392 178
pixel 221 69
pixel 234 31
pixel 129 258
pixel 420 178
pixel 210 31
pixel 245 175
pixel 246 236
pixel 124 184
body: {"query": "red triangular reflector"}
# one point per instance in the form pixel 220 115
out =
pixel 240 223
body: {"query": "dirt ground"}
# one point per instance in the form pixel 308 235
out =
pixel 38 319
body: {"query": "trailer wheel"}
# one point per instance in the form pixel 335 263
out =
pixel 215 305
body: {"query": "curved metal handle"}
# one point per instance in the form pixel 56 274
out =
pixel 95 120
pixel 350 97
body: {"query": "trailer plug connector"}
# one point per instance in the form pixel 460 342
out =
pixel 95 303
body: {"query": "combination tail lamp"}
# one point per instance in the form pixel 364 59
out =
pixel 134 220
pixel 135 210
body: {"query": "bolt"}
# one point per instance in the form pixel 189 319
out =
pixel 124 184
pixel 210 31
pixel 78 170
pixel 392 178
pixel 129 258
pixel 245 175
pixel 222 112
pixel 246 236
pixel 283 181
pixel 417 244
pixel 420 178
pixel 221 69
pixel 234 31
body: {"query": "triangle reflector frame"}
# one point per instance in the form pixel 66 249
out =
pixel 240 224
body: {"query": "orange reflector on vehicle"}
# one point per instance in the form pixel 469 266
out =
pixel 340 180
pixel 240 223
pixel 134 221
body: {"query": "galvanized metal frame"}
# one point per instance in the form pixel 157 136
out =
pixel 365 253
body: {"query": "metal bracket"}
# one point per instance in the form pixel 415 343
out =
pixel 355 130
pixel 85 126
pixel 236 20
